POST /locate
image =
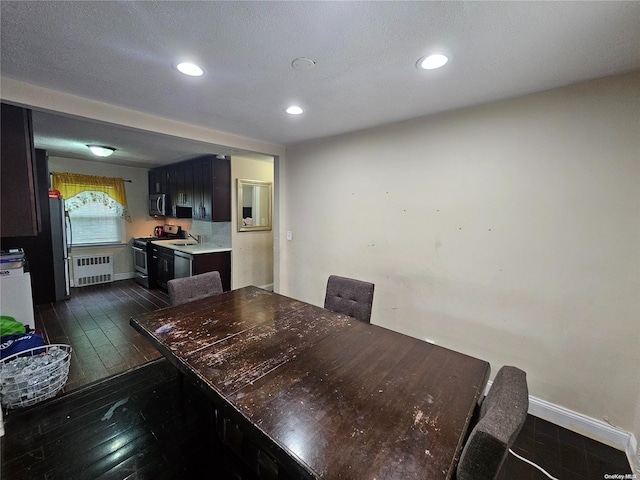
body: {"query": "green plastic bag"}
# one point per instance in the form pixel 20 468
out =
pixel 10 326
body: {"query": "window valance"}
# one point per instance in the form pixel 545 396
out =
pixel 78 189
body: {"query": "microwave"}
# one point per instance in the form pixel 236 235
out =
pixel 159 204
pixel 182 212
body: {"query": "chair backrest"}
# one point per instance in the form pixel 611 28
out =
pixel 502 415
pixel 350 297
pixel 187 289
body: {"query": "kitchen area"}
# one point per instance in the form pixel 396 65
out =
pixel 193 232
pixel 168 255
pixel 197 226
pixel 198 189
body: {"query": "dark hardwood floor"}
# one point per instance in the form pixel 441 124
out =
pixel 124 413
pixel 95 322
pixel 144 424
pixel 566 455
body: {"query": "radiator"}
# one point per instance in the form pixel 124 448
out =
pixel 92 269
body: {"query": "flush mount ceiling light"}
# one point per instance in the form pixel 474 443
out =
pixel 100 150
pixel 294 110
pixel 190 69
pixel 431 62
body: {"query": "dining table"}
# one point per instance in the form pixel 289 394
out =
pixel 320 394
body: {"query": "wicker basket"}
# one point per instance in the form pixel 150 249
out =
pixel 33 375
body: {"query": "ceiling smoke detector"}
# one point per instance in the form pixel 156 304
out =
pixel 303 63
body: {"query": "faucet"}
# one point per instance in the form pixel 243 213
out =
pixel 196 238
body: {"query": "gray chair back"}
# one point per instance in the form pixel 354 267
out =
pixel 188 289
pixel 502 415
pixel 350 297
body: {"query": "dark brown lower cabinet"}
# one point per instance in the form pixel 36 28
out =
pixel 211 262
pixel 162 270
pixel 163 257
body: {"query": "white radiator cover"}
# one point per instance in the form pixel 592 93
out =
pixel 92 269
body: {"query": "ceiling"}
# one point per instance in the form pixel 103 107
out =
pixel 67 136
pixel 365 55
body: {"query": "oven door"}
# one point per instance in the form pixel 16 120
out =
pixel 140 259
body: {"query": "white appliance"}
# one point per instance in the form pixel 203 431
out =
pixel 61 236
pixel 16 300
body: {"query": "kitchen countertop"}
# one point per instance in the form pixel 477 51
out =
pixel 191 247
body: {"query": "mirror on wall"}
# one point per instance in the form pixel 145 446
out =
pixel 254 205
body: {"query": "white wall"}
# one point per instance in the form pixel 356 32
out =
pixel 509 231
pixel 141 224
pixel 252 256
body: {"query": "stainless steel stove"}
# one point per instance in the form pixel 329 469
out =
pixel 141 259
pixel 141 254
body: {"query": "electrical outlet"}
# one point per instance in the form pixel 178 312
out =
pixel 289 235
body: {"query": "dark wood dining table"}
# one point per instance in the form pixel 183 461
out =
pixel 325 395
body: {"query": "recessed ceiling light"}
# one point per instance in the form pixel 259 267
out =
pixel 431 62
pixel 303 63
pixel 190 69
pixel 100 150
pixel 294 110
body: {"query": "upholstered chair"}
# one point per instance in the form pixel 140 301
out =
pixel 187 289
pixel 350 297
pixel 502 415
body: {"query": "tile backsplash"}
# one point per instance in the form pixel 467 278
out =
pixel 218 233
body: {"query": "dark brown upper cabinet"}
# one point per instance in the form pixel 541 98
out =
pixel 20 208
pixel 203 183
pixel 158 180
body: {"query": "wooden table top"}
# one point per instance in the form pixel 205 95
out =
pixel 344 399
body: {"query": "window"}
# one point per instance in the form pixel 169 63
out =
pixel 97 207
pixel 93 220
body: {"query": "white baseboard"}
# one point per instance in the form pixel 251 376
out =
pixel 576 422
pixel 123 276
pixel 634 455
pixel 589 427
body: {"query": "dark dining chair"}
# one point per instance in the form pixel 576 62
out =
pixel 502 415
pixel 188 289
pixel 350 297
